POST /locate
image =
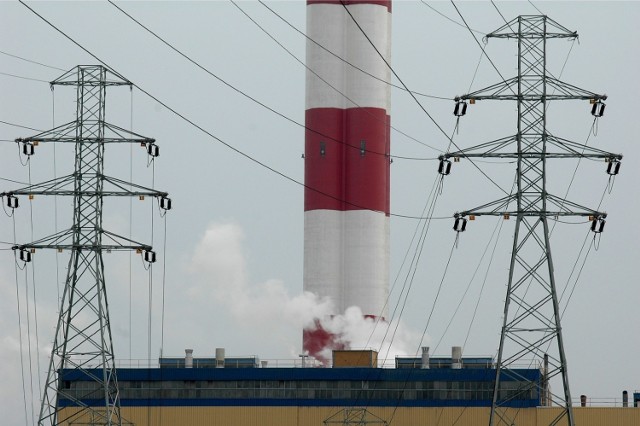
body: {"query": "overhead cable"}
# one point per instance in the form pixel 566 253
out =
pixel 535 7
pixel 24 387
pixel 449 19
pixel 414 97
pixel 19 125
pixel 31 61
pixel 208 133
pixel 251 98
pixel 433 306
pixel 347 62
pixel 327 83
pixel 480 46
pixel 22 77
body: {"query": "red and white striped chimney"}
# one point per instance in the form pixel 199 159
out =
pixel 346 204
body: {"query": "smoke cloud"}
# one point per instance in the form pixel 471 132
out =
pixel 219 267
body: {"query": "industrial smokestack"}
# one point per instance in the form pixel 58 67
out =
pixel 219 357
pixel 425 357
pixel 188 358
pixel 456 357
pixel 347 146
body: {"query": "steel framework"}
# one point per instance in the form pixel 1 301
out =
pixel 531 325
pixel 83 341
pixel 354 416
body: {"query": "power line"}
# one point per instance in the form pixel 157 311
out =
pixel 433 306
pixel 480 46
pixel 327 83
pixel 19 125
pixel 26 298
pixel 347 62
pixel 23 78
pixel 14 181
pixel 584 262
pixel 412 95
pixel 262 104
pixel 535 7
pixel 15 262
pixel 31 61
pixel 413 265
pixel 449 19
pixel 211 135
pixel 437 186
pixel 473 276
pixel 428 207
pixel 410 275
pixel 35 300
pixel 419 247
pixel 501 15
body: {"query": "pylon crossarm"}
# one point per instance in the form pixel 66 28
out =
pixel 52 241
pixel 552 30
pixel 63 240
pixel 73 77
pixel 494 208
pixel 569 208
pixel 52 185
pixel 62 133
pixel 489 149
pixel 569 91
pixel 129 189
pixel 577 150
pixel 68 133
pixel 123 135
pixel 499 208
pixel 494 92
pixel 530 91
pixel 565 149
pixel 65 186
pixel 123 243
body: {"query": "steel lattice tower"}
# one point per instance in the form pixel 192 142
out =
pixel 83 342
pixel 531 331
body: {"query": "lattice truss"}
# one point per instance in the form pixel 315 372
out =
pixel 354 416
pixel 83 345
pixel 531 333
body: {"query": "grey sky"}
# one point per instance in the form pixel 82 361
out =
pixel 256 216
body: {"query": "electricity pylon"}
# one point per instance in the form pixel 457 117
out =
pixel 531 330
pixel 83 344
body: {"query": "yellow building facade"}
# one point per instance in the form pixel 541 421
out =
pixel 402 416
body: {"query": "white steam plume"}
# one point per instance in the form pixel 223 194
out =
pixel 219 267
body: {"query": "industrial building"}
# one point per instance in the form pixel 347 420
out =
pixel 246 391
